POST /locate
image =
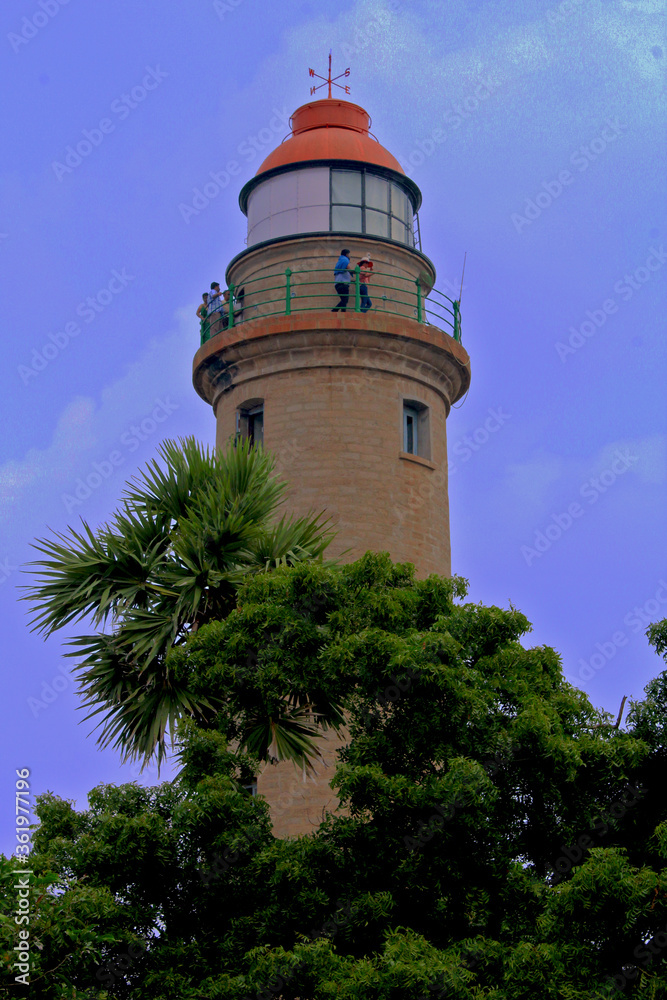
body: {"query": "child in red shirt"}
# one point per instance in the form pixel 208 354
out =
pixel 365 275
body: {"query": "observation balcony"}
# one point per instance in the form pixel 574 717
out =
pixel 290 292
pixel 281 319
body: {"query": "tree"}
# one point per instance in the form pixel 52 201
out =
pixel 657 636
pixel 495 839
pixel 185 537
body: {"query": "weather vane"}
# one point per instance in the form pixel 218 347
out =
pixel 329 80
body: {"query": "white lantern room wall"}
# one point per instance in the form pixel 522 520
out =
pixel 324 199
pixel 293 202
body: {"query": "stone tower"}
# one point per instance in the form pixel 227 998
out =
pixel 353 404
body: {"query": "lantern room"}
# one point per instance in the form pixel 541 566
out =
pixel 331 175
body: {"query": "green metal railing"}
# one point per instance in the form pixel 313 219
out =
pixel 397 296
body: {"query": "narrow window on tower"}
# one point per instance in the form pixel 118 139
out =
pixel 256 425
pixel 410 432
pixel 416 430
pixel 250 421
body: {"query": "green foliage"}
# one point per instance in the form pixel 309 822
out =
pixel 487 845
pixel 188 532
pixel 657 636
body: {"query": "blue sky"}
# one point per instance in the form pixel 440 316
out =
pixel 536 134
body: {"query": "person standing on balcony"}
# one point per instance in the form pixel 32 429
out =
pixel 203 310
pixel 342 277
pixel 202 313
pixel 217 318
pixel 365 274
pixel 215 298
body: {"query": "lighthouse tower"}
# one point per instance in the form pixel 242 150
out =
pixel 353 404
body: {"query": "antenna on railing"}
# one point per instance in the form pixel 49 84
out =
pixel 462 273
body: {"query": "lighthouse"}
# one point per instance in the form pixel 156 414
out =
pixel 354 403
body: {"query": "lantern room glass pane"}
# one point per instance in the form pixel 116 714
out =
pixel 399 202
pixel 377 223
pixel 377 192
pixel 345 187
pixel 345 219
pixel 399 231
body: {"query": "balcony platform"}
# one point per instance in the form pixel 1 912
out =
pixel 375 340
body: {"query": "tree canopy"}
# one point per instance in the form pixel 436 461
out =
pixel 498 837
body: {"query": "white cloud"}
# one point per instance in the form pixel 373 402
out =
pixel 379 39
pixel 72 435
pixel 532 488
pixel 85 430
pixel 652 458
pixel 530 482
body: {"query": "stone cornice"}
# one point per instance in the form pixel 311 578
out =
pixel 375 342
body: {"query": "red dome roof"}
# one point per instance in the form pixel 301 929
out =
pixel 330 130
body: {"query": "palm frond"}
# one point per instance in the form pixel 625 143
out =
pixel 191 526
pixel 166 490
pixel 248 483
pixel 138 707
pixel 290 541
pixel 290 736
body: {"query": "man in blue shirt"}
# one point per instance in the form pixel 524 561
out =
pixel 215 298
pixel 342 278
pixel 218 302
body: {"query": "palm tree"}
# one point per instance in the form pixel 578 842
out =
pixel 171 560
